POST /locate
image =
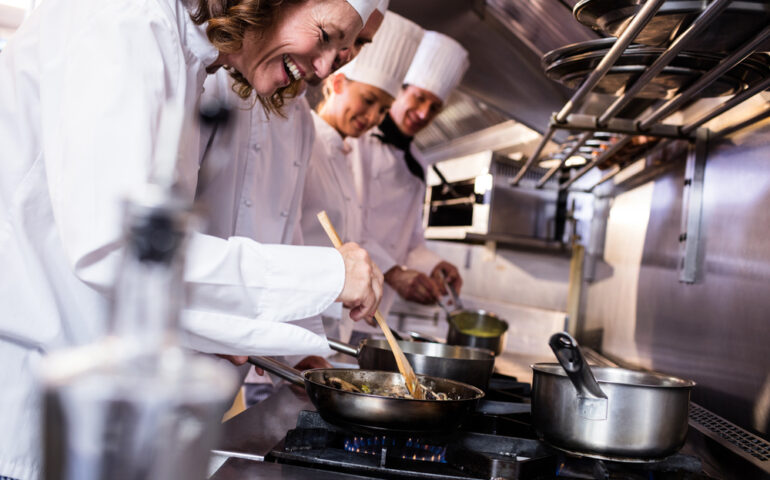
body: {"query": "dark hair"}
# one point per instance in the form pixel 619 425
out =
pixel 228 23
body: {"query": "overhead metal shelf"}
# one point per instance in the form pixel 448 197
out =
pixel 649 125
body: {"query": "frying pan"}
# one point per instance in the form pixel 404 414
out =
pixel 463 364
pixel 379 412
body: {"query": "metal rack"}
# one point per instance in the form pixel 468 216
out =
pixel 649 125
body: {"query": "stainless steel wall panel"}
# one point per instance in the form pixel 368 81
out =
pixel 716 331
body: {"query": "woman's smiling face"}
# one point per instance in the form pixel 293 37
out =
pixel 354 107
pixel 303 44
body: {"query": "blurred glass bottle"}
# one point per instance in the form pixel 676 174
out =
pixel 135 405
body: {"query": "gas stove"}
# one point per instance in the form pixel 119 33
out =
pixel 495 442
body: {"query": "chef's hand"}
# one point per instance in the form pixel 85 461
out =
pixel 363 283
pixel 451 274
pixel 312 361
pixel 413 285
pixel 307 363
pixel 236 360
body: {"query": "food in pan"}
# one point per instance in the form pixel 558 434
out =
pixel 482 332
pixel 393 391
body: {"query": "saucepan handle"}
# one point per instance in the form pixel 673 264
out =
pixel 342 347
pixel 278 368
pixel 593 402
pixel 458 305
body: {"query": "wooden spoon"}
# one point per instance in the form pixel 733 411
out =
pixel 410 379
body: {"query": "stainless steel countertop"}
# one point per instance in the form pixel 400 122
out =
pixel 254 432
pixel 240 469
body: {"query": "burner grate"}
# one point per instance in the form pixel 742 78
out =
pixel 716 426
pixel 461 455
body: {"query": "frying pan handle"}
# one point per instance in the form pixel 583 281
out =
pixel 571 359
pixel 342 347
pixel 278 368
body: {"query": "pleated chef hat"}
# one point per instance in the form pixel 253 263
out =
pixel 364 7
pixel 384 62
pixel 438 65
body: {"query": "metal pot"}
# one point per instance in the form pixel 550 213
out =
pixel 607 412
pixel 375 411
pixel 463 364
pixel 477 328
pixel 473 328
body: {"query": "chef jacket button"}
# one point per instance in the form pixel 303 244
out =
pixel 284 213
pixel 297 163
pixel 247 203
pixel 256 147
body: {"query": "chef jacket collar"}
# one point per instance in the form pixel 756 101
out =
pixel 331 135
pixel 198 42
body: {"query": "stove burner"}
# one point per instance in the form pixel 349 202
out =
pixel 409 449
pixel 461 455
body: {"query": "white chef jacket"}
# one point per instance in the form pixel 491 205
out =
pixel 254 172
pixel 83 82
pixel 393 201
pixel 330 186
pixel 255 168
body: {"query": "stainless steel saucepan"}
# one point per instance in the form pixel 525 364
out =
pixel 463 364
pixel 474 328
pixel 607 412
pixel 375 411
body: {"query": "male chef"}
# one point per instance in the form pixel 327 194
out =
pixel 393 177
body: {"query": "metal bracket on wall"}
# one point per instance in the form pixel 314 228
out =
pixel 690 237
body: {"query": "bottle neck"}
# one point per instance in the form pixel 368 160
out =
pixel 149 290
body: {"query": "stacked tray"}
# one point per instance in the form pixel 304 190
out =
pixel 735 25
pixel 571 64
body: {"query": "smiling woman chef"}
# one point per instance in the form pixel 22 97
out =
pixel 83 85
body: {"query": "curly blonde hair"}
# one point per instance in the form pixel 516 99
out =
pixel 228 23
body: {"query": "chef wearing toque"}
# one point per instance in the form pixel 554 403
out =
pixel 254 172
pixel 393 178
pixel 357 98
pixel 76 139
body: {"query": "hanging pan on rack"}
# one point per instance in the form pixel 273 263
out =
pixel 570 65
pixel 735 25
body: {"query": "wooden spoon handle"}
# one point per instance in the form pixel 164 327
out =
pixel 331 232
pixel 414 387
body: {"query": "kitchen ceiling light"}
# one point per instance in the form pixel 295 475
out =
pixel 575 161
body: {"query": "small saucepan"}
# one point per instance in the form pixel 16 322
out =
pixel 607 412
pixel 376 411
pixel 463 364
pixel 474 328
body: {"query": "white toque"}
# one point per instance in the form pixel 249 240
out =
pixel 384 62
pixel 438 65
pixel 383 6
pixel 364 7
